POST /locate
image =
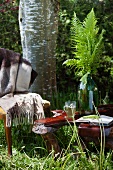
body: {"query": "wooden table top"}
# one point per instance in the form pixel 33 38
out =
pixel 59 119
pixel 63 119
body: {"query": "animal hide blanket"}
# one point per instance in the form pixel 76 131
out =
pixel 16 76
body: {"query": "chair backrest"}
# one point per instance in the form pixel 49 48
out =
pixel 16 73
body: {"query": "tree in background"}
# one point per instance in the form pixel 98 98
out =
pixel 38 27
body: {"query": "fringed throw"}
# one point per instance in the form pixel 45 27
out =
pixel 27 108
pixel 16 76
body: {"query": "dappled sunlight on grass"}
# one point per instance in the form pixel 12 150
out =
pixel 36 156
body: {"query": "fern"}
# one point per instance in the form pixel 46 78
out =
pixel 87 44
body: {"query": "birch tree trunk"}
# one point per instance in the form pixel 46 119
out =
pixel 38 29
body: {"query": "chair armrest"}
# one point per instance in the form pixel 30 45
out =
pixel 2 113
pixel 46 104
pixel 47 110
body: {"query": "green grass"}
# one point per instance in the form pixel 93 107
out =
pixel 30 153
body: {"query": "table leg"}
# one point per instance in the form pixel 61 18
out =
pixel 51 142
pixel 8 138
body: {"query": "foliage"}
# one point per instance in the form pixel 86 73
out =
pixel 67 77
pixel 29 149
pixel 72 157
pixel 10 38
pixel 87 44
pixel 63 45
pixel 59 98
pixel 9 29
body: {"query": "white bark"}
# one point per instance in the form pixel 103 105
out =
pixel 38 29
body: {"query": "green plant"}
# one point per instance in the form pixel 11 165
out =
pixel 72 156
pixel 9 26
pixel 87 44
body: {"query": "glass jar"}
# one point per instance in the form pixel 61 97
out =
pixel 106 99
pixel 87 94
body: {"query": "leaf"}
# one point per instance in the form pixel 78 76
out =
pixel 70 62
pixel 84 78
pixel 87 44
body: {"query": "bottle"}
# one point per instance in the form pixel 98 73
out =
pixel 106 99
pixel 87 94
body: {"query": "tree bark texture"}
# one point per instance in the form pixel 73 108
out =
pixel 38 23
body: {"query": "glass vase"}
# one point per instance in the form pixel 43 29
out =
pixel 87 94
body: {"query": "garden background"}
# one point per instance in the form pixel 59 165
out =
pixel 27 151
pixel 10 39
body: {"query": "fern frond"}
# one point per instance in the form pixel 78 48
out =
pixel 86 43
pixel 70 62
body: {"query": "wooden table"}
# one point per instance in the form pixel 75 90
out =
pixel 86 132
